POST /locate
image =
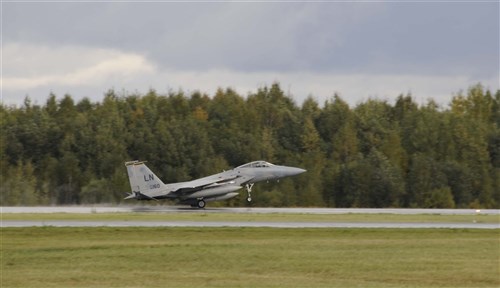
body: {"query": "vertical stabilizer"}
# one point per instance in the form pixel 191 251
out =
pixel 143 182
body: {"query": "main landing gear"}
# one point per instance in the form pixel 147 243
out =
pixel 200 203
pixel 249 191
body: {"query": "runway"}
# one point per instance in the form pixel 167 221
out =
pixel 249 210
pixel 219 224
pixel 285 224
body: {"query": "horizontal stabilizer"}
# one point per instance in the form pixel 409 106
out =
pixel 139 196
pixel 130 196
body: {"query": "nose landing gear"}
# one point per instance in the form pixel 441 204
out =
pixel 249 191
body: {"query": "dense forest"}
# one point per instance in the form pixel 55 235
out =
pixel 376 154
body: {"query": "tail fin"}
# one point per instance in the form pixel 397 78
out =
pixel 143 182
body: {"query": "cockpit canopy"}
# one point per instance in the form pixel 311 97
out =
pixel 257 164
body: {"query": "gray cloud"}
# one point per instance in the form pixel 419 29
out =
pixel 442 39
pixel 273 36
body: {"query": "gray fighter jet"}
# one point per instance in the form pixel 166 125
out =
pixel 222 186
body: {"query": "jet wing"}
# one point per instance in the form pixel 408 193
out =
pixel 202 183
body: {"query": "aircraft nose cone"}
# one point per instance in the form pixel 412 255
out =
pixel 300 170
pixel 295 171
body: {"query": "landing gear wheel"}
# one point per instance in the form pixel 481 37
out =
pixel 249 199
pixel 201 204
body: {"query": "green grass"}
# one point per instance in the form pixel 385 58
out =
pixel 249 257
pixel 277 217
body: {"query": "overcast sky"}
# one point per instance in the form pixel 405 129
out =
pixel 356 49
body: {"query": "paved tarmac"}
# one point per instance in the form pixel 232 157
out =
pixel 68 223
pixel 180 209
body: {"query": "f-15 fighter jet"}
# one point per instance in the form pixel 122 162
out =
pixel 222 186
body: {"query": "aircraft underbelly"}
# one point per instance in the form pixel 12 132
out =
pixel 222 197
pixel 215 191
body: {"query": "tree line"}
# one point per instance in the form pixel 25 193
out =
pixel 375 154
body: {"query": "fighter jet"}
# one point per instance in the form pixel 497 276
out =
pixel 146 185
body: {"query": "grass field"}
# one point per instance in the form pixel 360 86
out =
pixel 278 217
pixel 249 257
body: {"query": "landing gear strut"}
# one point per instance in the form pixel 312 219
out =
pixel 249 191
